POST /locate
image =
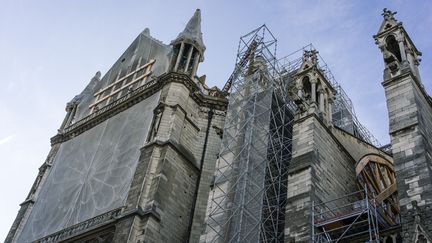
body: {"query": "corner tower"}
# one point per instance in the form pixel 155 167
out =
pixel 134 158
pixel 189 47
pixel 314 93
pixel 410 116
pixel 321 169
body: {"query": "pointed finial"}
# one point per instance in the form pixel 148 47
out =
pixel 146 32
pixel 192 32
pixel 388 14
pixel 98 75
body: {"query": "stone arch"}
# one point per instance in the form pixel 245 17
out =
pixel 307 86
pixel 393 47
pixel 378 175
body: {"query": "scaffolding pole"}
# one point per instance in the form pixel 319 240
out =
pixel 249 193
pixel 247 201
pixel 343 114
pixel 346 218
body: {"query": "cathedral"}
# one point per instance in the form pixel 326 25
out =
pixel 147 152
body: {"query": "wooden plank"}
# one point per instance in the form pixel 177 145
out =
pixel 369 181
pixel 118 90
pixel 387 176
pixel 377 176
pixel 386 193
pixel 372 157
pixel 125 77
pixel 383 178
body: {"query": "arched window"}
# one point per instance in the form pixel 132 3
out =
pixel 389 240
pixel 307 88
pixel 184 58
pixel 393 47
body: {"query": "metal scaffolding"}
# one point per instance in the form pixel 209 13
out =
pixel 249 193
pixel 247 201
pixel 353 216
pixel 343 115
pixel 362 215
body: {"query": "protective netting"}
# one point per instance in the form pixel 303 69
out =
pixel 92 172
pixel 247 201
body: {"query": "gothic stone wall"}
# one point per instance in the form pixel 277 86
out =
pixel 166 180
pixel 320 170
pixel 410 115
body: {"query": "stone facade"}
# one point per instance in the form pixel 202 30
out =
pixel 410 116
pixel 152 131
pixel 169 171
pixel 321 169
pixel 167 191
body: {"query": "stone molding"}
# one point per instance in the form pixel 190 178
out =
pixel 135 97
pixel 82 227
pixel 105 219
pixel 418 83
pixel 181 150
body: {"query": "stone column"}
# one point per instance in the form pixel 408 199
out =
pixel 72 115
pixel 413 62
pixel 189 58
pixel 180 53
pixel 313 91
pixel 66 119
pixel 330 110
pixel 325 105
pixel 299 88
pixel 393 238
pixel 195 65
pixel 321 99
pixel 400 41
pixel 71 110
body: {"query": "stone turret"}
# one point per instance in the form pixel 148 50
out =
pixel 189 47
pixel 410 118
pixel 314 93
pixel 399 51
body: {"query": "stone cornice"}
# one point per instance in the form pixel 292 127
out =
pixel 408 127
pixel 135 97
pixel 418 83
pixel 27 201
pixel 82 227
pixel 183 151
pixel 102 220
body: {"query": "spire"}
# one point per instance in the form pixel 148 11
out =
pixel 192 32
pixel 188 47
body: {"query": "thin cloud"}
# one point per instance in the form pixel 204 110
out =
pixel 6 140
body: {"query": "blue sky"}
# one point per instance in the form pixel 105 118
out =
pixel 49 50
